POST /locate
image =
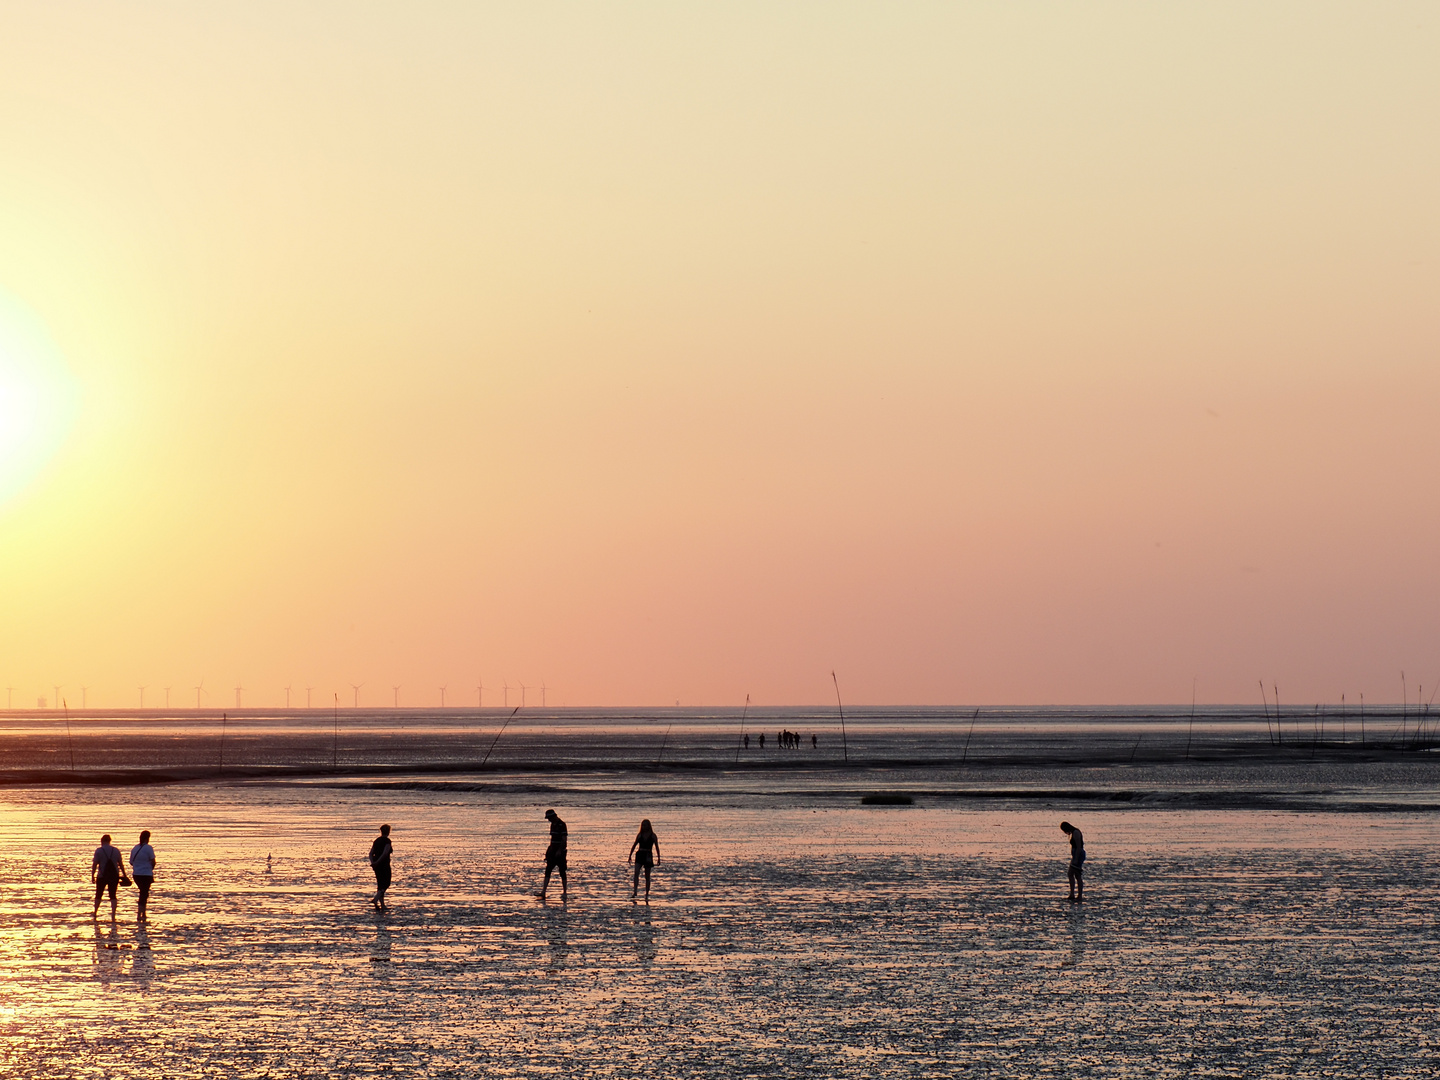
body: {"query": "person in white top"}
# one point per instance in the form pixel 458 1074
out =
pixel 142 868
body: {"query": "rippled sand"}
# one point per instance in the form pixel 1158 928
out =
pixel 788 935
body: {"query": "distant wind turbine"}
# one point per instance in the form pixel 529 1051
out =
pixel 542 695
pixel 84 694
pixel 442 697
pixel 142 695
pixel 522 695
pixel 397 695
pixel 167 697
pixel 507 694
pixel 237 695
pixel 356 688
pixel 198 691
pixel 287 697
pixel 307 695
pixel 480 695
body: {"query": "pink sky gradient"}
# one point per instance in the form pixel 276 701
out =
pixel 1001 355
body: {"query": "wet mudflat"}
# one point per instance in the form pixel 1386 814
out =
pixel 785 937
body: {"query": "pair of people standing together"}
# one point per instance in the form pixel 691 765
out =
pixel 644 851
pixel 107 871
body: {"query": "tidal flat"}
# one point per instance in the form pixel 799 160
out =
pixel 791 930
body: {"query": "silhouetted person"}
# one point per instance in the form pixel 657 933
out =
pixel 555 854
pixel 814 742
pixel 380 862
pixel 1076 873
pixel 762 740
pixel 644 841
pixel 105 873
pixel 747 742
pixel 142 868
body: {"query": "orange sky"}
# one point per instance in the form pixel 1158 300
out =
pixel 1007 354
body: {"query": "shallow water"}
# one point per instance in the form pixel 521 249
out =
pixel 790 932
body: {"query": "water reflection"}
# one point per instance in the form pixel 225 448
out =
pixel 380 946
pixel 107 953
pixel 1077 938
pixel 645 948
pixel 557 937
pixel 142 960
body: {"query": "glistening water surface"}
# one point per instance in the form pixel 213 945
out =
pixel 791 932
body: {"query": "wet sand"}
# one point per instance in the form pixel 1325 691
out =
pixel 791 931
pixel 155 747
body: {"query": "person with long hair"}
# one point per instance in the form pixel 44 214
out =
pixel 646 853
pixel 142 869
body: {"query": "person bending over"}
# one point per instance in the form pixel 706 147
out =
pixel 1076 873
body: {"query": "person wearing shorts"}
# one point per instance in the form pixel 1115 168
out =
pixel 641 851
pixel 142 869
pixel 555 854
pixel 105 873
pixel 1076 872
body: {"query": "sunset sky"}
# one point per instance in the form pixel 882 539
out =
pixel 982 353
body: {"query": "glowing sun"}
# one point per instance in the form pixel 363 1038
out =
pixel 37 397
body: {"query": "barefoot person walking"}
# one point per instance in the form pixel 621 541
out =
pixel 380 863
pixel 105 873
pixel 142 868
pixel 555 854
pixel 1076 873
pixel 645 841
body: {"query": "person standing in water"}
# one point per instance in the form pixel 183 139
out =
pixel 1076 873
pixel 105 873
pixel 645 841
pixel 380 863
pixel 142 868
pixel 555 854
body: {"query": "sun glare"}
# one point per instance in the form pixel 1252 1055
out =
pixel 37 397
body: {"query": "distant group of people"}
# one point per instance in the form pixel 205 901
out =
pixel 786 740
pixel 107 872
